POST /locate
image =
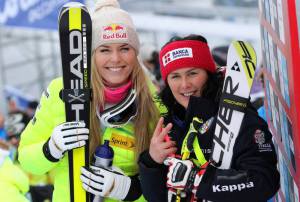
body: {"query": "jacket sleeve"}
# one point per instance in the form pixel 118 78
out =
pixel 39 129
pixel 14 182
pixel 152 178
pixel 253 175
pixel 135 190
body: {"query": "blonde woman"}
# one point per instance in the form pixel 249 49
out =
pixel 117 77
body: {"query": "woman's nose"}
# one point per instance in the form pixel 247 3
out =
pixel 185 82
pixel 115 56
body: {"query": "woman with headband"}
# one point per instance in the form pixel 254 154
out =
pixel 191 95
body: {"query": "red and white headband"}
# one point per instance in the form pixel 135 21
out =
pixel 183 54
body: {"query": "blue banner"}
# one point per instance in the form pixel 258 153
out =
pixel 31 13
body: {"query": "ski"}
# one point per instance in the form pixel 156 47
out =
pixel 241 65
pixel 75 35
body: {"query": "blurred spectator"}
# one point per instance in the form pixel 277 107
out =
pixel 146 54
pixel 2 130
pixel 150 59
pixel 40 185
pixel 30 110
pixel 261 110
pixel 14 125
pixel 14 183
pixel 219 54
pixel 12 105
pixel 257 93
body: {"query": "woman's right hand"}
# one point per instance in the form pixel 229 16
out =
pixel 159 148
pixel 65 137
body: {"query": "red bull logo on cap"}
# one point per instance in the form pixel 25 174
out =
pixel 177 54
pixel 114 31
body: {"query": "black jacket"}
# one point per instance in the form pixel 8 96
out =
pixel 253 175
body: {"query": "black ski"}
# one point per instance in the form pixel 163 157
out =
pixel 75 34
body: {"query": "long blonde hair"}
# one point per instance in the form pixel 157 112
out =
pixel 147 115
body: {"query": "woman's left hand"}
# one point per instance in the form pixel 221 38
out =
pixel 184 174
pixel 105 182
pixel 160 149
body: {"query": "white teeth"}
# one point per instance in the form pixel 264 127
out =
pixel 115 69
pixel 187 94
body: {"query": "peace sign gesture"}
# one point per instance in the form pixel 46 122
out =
pixel 159 148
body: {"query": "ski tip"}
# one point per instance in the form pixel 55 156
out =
pixel 69 5
pixel 245 50
pixel 73 5
pixel 242 60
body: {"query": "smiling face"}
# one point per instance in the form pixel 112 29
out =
pixel 115 63
pixel 186 82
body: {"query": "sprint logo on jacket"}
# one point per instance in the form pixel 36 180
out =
pixel 122 141
pixel 177 54
pixel 232 187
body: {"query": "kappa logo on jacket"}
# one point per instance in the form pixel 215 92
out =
pixel 232 187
